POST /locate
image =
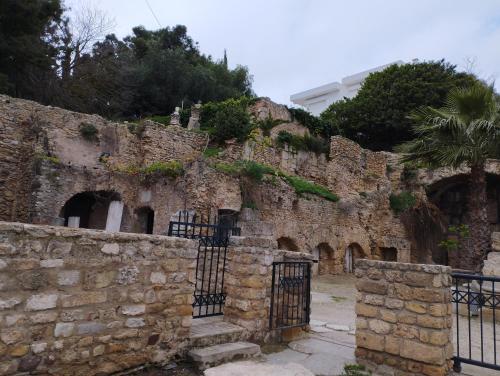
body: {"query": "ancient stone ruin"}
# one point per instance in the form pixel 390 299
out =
pixel 90 283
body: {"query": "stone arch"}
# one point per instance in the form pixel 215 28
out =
pixel 144 220
pixel 326 259
pixel 287 244
pixel 353 252
pixel 93 209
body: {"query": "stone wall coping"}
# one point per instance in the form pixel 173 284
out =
pixel 43 231
pixel 426 268
pixel 261 242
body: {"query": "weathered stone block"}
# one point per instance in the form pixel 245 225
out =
pixel 110 248
pixel 64 329
pixel 370 341
pixel 11 336
pixel 135 323
pixel 366 310
pixel 90 328
pixel 379 326
pixel 41 302
pixel 372 286
pixel 421 352
pixel 68 277
pixel 416 307
pixel 134 310
pixel 83 298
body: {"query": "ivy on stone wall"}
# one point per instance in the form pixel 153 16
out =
pixel 259 172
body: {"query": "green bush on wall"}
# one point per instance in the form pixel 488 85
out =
pixel 402 202
pixel 88 131
pixel 308 143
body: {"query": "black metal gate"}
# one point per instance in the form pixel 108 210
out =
pixel 290 295
pixel 476 300
pixel 213 236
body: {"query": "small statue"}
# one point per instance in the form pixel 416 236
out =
pixel 175 118
pixel 194 119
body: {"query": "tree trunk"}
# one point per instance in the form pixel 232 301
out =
pixel 480 232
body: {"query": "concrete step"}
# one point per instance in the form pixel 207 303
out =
pixel 214 355
pixel 213 331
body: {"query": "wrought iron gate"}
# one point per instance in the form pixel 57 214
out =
pixel 290 295
pixel 476 300
pixel 213 236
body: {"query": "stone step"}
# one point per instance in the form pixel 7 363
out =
pixel 213 332
pixel 214 355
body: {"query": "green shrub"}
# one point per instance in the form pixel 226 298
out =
pixel 303 186
pixel 355 370
pixel 171 169
pixel 226 120
pixel 308 143
pixel 88 131
pixel 311 122
pixel 227 168
pixel 249 204
pixel 185 114
pixel 211 152
pixel 162 119
pixel 268 124
pixel 455 235
pixel 255 171
pixel 402 202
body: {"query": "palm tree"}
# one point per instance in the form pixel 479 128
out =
pixel 465 132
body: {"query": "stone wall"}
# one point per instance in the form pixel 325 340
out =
pixel 32 134
pixel 403 324
pixel 248 283
pixel 87 302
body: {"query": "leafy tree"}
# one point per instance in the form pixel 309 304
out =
pixel 27 54
pixel 466 131
pixel 226 120
pixel 377 118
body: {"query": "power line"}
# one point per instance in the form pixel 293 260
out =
pixel 153 13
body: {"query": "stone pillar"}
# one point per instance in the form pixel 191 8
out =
pixel 194 119
pixel 248 282
pixel 114 220
pixel 175 118
pixel 74 222
pixel 404 318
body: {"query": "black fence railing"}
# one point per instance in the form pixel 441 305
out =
pixel 213 233
pixel 192 226
pixel 290 295
pixel 476 302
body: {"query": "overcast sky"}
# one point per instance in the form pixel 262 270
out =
pixel 294 45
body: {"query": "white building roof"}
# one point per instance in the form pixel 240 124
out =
pixel 317 99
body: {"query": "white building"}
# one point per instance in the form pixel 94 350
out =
pixel 318 99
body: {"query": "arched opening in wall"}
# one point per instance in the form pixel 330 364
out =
pixel 451 196
pixel 353 252
pixel 145 219
pixel 389 253
pixel 326 259
pixel 287 244
pixel 93 209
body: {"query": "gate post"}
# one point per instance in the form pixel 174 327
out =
pixel 404 317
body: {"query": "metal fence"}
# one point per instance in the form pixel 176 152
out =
pixel 475 301
pixel 193 226
pixel 290 295
pixel 213 233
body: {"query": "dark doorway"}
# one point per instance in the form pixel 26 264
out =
pixel 389 254
pixel 90 207
pixel 145 220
